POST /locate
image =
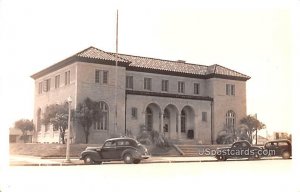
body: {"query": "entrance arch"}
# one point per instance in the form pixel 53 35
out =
pixel 187 122
pixel 152 117
pixel 170 121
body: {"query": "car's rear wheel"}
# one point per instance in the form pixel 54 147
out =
pixel 221 158
pixel 136 161
pixel 256 156
pixel 128 159
pixel 286 155
pixel 98 162
pixel 88 160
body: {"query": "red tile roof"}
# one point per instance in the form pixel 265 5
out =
pixel 148 64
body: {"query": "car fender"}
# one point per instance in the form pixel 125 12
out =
pixel 93 154
pixel 133 152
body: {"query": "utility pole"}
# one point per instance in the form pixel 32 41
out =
pixel 116 79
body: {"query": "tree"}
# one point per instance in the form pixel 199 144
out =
pixel 87 113
pixel 57 116
pixel 24 125
pixel 253 125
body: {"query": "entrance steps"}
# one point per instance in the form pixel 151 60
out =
pixel 191 148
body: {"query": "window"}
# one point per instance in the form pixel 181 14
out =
pixel 204 116
pixel 46 85
pixel 40 87
pixel 147 84
pixel 230 119
pixel 39 122
pixel 101 76
pixel 134 113
pixel 57 81
pixel 180 87
pixel 230 89
pixel 165 85
pixel 105 77
pixel 196 88
pixel 102 120
pixel 129 82
pixel 67 77
pixel 97 76
pixel 110 144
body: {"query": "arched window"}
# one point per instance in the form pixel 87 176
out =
pixel 38 120
pixel 183 121
pixel 102 121
pixel 149 119
pixel 230 119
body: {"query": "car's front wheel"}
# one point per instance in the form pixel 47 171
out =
pixel 221 158
pixel 88 160
pixel 128 159
pixel 256 156
pixel 286 155
pixel 136 161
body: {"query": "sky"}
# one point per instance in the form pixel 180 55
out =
pixel 257 38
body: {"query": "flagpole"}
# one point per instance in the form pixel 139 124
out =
pixel 116 77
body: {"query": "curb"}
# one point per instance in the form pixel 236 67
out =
pixel 76 164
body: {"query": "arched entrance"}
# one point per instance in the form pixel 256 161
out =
pixel 187 122
pixel 152 117
pixel 170 121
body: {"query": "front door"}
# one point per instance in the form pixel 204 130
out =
pixel 108 150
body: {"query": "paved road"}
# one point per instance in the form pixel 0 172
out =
pixel 266 175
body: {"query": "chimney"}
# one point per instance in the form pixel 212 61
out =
pixel 180 61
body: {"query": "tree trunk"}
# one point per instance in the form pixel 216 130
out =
pixel 86 132
pixel 62 136
pixel 256 137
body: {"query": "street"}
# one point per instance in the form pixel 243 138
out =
pixel 264 175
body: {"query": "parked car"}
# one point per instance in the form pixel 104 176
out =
pixel 282 148
pixel 239 149
pixel 116 149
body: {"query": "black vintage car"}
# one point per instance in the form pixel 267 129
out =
pixel 239 149
pixel 116 149
pixel 281 148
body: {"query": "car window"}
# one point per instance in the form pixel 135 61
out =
pixel 271 144
pixel 282 144
pixel 244 145
pixel 110 144
pixel 236 145
pixel 120 143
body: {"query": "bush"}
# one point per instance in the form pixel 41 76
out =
pixel 153 138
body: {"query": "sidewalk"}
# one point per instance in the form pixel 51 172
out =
pixel 22 160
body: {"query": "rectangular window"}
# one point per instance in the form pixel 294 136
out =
pixel 129 82
pixel 134 113
pixel 105 77
pixel 101 76
pixel 196 88
pixel 97 76
pixel 46 85
pixel 67 77
pixel 165 85
pixel 147 84
pixel 180 87
pixel 40 87
pixel 230 89
pixel 57 81
pixel 204 116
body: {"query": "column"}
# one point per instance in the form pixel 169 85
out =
pixel 179 126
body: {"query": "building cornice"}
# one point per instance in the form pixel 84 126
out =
pixel 170 95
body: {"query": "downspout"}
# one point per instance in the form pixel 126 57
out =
pixel 125 113
pixel 211 122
